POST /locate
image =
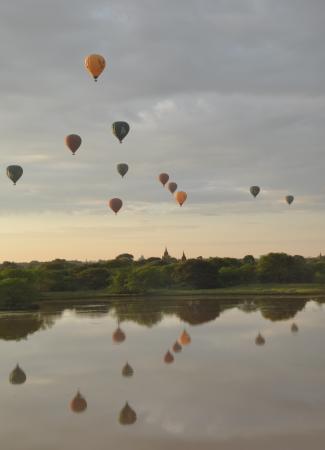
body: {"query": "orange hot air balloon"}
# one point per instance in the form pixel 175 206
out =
pixel 78 404
pixel 177 347
pixel 73 142
pixel 171 186
pixel 185 338
pixel 180 197
pixel 95 64
pixel 163 178
pixel 115 204
pixel 118 335
pixel 168 358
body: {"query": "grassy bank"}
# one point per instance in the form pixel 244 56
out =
pixel 256 289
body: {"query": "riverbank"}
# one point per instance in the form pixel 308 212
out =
pixel 276 290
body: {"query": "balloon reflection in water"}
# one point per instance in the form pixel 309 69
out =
pixel 118 336
pixel 127 415
pixel 127 370
pixel 78 404
pixel 259 340
pixel 168 358
pixel 177 347
pixel 17 376
pixel 294 328
pixel 185 338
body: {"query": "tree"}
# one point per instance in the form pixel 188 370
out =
pixel 196 273
pixel 92 278
pixel 17 293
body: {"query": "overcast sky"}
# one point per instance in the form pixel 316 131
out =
pixel 220 94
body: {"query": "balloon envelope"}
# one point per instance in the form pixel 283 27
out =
pixel 95 64
pixel 127 370
pixel 118 336
pixel 289 199
pixel 185 338
pixel 254 190
pixel 171 186
pixel 78 404
pixel 17 376
pixel 127 415
pixel 168 358
pixel 14 173
pixel 73 142
pixel 120 130
pixel 259 339
pixel 177 347
pixel 163 178
pixel 122 169
pixel 115 204
pixel 180 196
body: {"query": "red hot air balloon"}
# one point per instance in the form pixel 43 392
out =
pixel 171 186
pixel 115 204
pixel 73 142
pixel 168 358
pixel 163 178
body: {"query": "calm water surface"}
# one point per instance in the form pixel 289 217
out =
pixel 222 391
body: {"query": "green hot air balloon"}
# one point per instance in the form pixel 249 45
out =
pixel 254 190
pixel 14 173
pixel 120 130
pixel 289 199
pixel 122 169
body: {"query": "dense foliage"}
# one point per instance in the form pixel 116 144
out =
pixel 20 284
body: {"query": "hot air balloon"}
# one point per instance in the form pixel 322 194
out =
pixel 14 173
pixel 118 335
pixel 171 186
pixel 177 347
pixel 17 376
pixel 163 178
pixel 127 370
pixel 254 190
pixel 168 358
pixel 294 328
pixel 120 130
pixel 73 142
pixel 180 197
pixel 127 415
pixel 115 204
pixel 95 64
pixel 185 338
pixel 78 404
pixel 259 339
pixel 122 169
pixel 289 199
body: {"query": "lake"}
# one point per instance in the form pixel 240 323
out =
pixel 250 375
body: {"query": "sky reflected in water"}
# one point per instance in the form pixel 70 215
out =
pixel 222 390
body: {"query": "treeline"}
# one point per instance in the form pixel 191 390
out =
pixel 24 282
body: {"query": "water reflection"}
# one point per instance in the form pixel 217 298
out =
pixel 78 404
pixel 259 340
pixel 246 391
pixel 294 328
pixel 127 415
pixel 168 358
pixel 127 371
pixel 17 376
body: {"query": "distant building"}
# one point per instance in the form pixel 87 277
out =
pixel 141 259
pixel 183 258
pixel 166 256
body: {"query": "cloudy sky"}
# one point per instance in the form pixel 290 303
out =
pixel 220 94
